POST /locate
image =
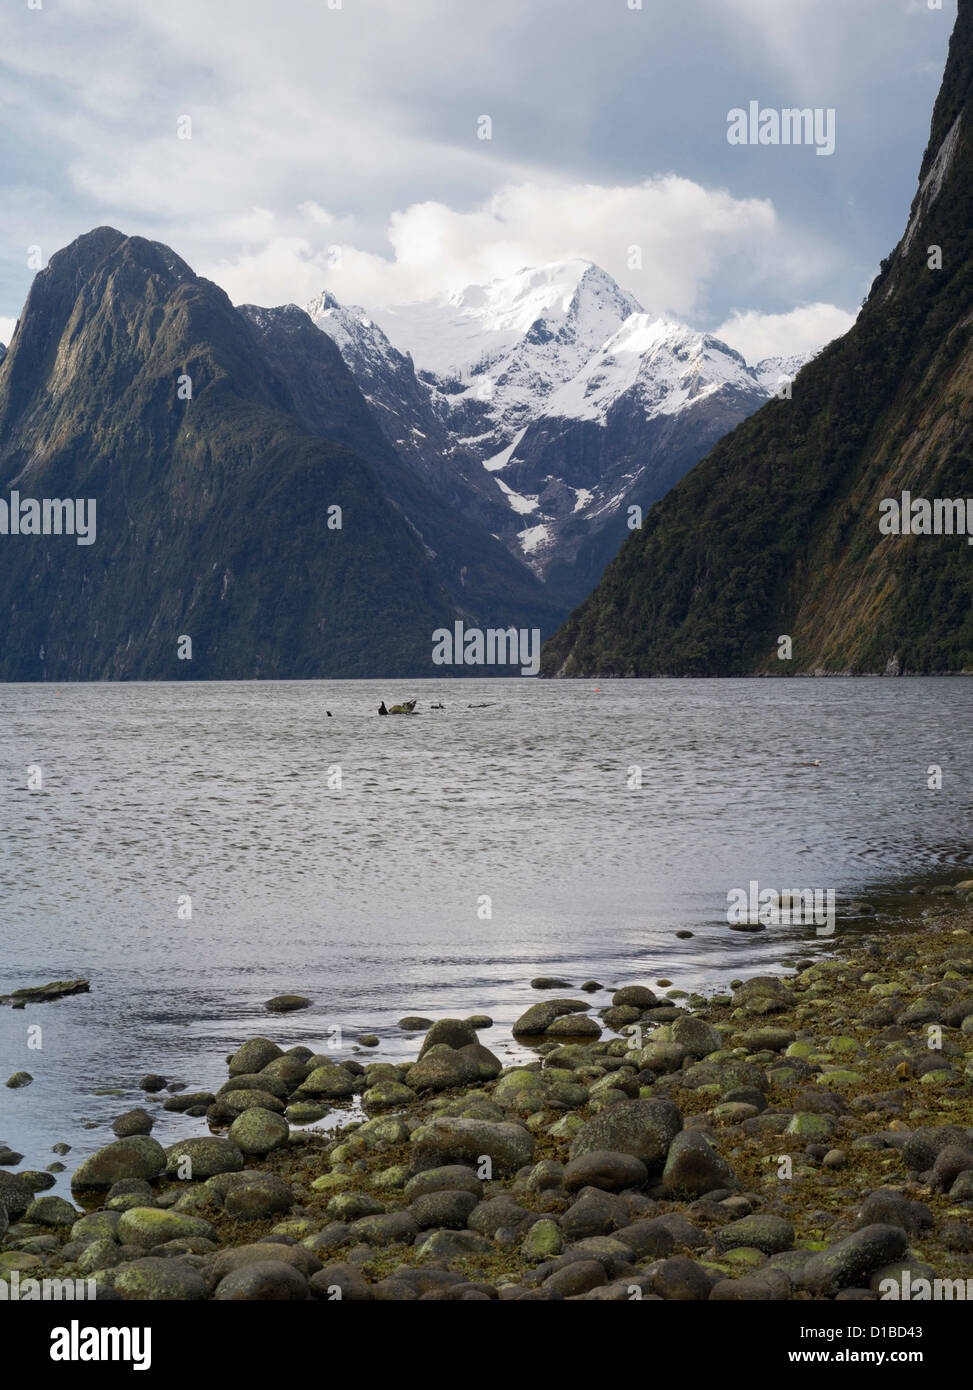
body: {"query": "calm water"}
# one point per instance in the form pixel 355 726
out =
pixel 365 897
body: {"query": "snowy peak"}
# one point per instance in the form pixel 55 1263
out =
pixel 666 363
pixel 549 294
pixel 462 335
pixel 556 398
pixel 350 326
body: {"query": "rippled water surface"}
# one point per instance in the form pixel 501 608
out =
pixel 367 896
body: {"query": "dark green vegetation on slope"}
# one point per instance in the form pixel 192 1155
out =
pixel 776 531
pixel 212 512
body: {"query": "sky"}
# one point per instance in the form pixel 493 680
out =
pixel 340 144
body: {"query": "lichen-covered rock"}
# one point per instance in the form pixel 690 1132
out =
pixel 157 1279
pixel 696 1036
pixel 253 1055
pixel 136 1121
pixel 148 1226
pixel 51 1211
pixel 507 1145
pixel 139 1156
pixel 645 1128
pixel 634 996
pixel 287 1003
pixel 448 1032
pixel 771 1234
pixel 539 1017
pixel 441 1067
pixel 329 1081
pixel 199 1159
pixel 258 1131
pixel 386 1095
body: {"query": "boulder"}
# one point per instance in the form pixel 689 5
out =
pixel 539 1017
pixel 158 1279
pixel 451 1032
pixel 852 1261
pixel 693 1167
pixel 199 1159
pixel 446 1140
pixel 606 1169
pixel 139 1156
pixel 258 1131
pixel 253 1055
pixel 287 1003
pixel 265 1281
pixel 644 1128
pixel 149 1226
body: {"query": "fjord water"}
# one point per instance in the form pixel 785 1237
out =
pixel 368 897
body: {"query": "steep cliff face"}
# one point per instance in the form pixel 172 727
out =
pixel 212 510
pixel 485 583
pixel 777 531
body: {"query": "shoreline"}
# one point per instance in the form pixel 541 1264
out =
pixel 803 1138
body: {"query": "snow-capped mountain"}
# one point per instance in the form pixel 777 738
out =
pixel 407 411
pixel 550 402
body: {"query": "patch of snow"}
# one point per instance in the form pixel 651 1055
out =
pixel 518 503
pixel 532 538
pixel 493 465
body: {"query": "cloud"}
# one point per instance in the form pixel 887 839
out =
pixel 7 327
pixel 367 113
pixel 803 330
pixel 666 239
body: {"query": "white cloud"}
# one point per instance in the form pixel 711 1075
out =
pixel 7 327
pixel 688 237
pixel 315 127
pixel 804 330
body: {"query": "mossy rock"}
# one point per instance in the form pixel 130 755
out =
pixel 148 1226
pixel 838 1078
pixel 544 1241
pixel 805 1125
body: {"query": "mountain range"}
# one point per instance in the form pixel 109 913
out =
pixel 556 385
pixel 768 557
pixel 282 501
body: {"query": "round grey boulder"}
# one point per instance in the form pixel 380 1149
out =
pixel 139 1156
pixel 693 1167
pixel 199 1159
pixel 253 1055
pixel 606 1169
pixel 259 1131
pixel 268 1280
pixel 645 1128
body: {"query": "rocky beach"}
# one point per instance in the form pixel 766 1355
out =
pixel 805 1136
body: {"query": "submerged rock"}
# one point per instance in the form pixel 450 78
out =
pixel 287 1003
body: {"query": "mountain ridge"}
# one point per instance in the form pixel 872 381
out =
pixel 212 509
pixel 775 534
pixel 505 395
